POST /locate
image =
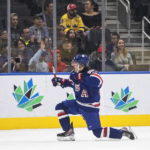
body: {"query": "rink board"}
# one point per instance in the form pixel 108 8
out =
pixel 29 100
pixel 52 122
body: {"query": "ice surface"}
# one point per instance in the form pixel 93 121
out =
pixel 45 139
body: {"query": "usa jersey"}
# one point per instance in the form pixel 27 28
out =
pixel 86 88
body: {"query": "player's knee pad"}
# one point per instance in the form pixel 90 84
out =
pixel 97 132
pixel 60 106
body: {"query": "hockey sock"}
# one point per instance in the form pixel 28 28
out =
pixel 64 120
pixel 115 133
pixel 63 116
pixel 111 133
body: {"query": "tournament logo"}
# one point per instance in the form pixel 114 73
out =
pixel 124 101
pixel 26 98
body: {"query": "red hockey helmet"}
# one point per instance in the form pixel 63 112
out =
pixel 71 7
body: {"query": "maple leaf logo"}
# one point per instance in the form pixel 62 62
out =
pixel 124 101
pixel 26 98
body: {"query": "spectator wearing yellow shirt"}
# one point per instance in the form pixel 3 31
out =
pixel 71 20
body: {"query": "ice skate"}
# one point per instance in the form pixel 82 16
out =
pixel 66 136
pixel 128 133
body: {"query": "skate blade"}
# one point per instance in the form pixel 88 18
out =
pixel 130 129
pixel 68 138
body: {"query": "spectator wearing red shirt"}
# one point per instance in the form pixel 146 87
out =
pixel 61 66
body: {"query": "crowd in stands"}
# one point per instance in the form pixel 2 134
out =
pixel 78 32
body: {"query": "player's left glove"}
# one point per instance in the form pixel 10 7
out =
pixel 57 81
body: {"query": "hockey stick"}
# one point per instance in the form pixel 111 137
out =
pixel 54 71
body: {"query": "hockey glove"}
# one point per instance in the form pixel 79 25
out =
pixel 57 81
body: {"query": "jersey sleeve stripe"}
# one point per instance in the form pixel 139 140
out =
pixel 98 77
pixel 91 105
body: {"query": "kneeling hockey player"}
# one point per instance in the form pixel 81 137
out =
pixel 86 85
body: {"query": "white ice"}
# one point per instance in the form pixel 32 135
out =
pixel 45 139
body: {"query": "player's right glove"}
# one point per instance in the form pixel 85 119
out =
pixel 57 81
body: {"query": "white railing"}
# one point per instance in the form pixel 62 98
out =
pixel 126 4
pixel 106 8
pixel 144 34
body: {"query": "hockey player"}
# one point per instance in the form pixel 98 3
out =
pixel 86 85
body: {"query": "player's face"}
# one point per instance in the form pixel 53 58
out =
pixel 77 67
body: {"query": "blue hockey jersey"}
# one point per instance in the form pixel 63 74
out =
pixel 86 87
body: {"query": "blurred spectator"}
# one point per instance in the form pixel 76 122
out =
pixel 25 36
pixel 91 17
pixel 15 28
pixel 26 52
pixel 121 57
pixel 3 39
pixel 3 60
pixel 67 52
pixel 48 19
pixel 71 36
pixel 3 64
pixel 38 62
pixel 61 66
pixel 77 39
pixel 18 65
pixel 62 4
pixel 112 46
pixel 38 31
pixel 20 57
pixel 71 20
pixel 48 14
pixel 95 61
pixel 94 38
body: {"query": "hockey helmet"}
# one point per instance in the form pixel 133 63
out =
pixel 81 59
